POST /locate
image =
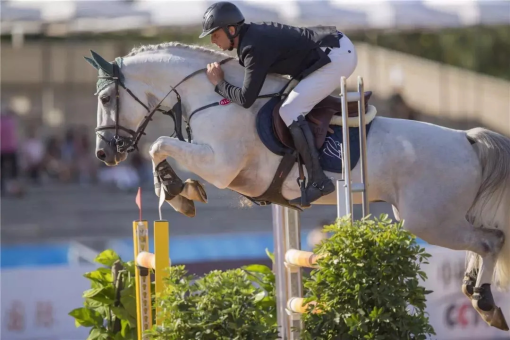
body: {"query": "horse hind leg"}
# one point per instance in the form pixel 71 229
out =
pixel 473 263
pixel 471 274
pixel 482 299
pixel 477 280
pixel 487 243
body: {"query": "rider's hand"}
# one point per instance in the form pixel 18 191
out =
pixel 214 73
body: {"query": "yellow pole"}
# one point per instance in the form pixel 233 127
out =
pixel 162 253
pixel 143 279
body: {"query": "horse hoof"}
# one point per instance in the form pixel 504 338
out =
pixel 194 190
pixel 484 304
pixel 498 320
pixel 493 317
pixel 183 205
pixel 190 211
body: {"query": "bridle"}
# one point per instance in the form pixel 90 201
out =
pixel 130 143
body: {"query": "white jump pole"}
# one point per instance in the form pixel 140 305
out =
pixel 289 258
pixel 287 235
pixel 344 201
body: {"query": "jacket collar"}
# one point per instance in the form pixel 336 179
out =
pixel 242 32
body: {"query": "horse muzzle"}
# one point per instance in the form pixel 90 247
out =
pixel 108 153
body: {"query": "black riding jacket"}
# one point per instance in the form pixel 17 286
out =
pixel 276 48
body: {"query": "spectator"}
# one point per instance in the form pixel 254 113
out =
pixel 32 156
pixel 86 164
pixel 68 152
pixel 9 151
pixel 399 108
pixel 54 164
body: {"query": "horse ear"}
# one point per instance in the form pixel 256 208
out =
pixel 102 63
pixel 92 62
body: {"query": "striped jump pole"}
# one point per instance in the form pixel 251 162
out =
pixel 145 263
pixel 142 280
pixel 289 258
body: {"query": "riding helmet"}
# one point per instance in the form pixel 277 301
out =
pixel 221 15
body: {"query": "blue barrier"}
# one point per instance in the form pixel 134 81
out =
pixel 183 249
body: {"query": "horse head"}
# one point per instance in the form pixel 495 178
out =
pixel 123 106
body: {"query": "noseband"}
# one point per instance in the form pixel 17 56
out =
pixel 129 143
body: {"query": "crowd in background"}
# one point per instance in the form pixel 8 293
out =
pixel 31 159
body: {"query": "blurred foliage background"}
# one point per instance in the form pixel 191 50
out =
pixel 481 49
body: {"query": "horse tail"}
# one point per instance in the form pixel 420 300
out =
pixel 491 208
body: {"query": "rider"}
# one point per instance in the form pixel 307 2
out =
pixel 317 56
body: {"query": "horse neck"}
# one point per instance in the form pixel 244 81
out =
pixel 157 73
pixel 159 70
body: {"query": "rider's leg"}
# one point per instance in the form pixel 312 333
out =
pixel 302 99
pixel 318 184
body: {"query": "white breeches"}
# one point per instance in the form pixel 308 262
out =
pixel 321 83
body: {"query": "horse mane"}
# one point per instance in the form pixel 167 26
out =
pixel 162 47
pixel 167 45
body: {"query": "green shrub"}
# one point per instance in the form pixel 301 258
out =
pixel 234 304
pixel 109 307
pixel 368 287
pixel 368 284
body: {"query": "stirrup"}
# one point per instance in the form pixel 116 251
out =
pixel 304 202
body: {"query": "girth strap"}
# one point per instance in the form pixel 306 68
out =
pixel 273 193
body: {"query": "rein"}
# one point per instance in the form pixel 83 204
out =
pixel 188 128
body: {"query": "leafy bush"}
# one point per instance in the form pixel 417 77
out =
pixel 234 304
pixel 368 284
pixel 109 307
pixel 368 287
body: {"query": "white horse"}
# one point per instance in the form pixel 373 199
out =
pixel 450 187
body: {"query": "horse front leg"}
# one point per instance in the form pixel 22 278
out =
pixel 178 194
pixel 199 159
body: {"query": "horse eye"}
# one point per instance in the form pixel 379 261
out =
pixel 105 99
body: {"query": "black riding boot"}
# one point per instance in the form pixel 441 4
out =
pixel 318 184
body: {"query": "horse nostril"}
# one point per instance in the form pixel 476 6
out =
pixel 101 154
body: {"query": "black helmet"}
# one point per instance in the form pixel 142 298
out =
pixel 221 15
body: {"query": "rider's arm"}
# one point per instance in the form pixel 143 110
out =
pixel 256 69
